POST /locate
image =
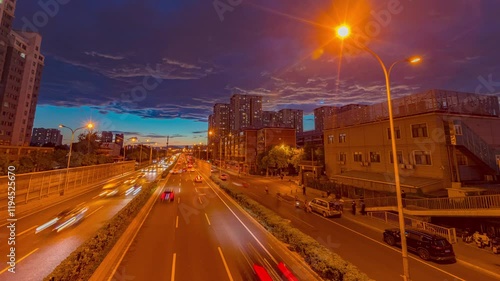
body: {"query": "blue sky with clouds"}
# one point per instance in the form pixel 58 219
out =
pixel 152 68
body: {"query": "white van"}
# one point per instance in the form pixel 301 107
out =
pixel 324 207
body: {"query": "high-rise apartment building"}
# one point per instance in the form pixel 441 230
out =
pixel 322 113
pixel 42 136
pixel 7 8
pixel 291 118
pixel 19 87
pixel 245 112
pixel 218 127
pixel 106 136
pixel 270 119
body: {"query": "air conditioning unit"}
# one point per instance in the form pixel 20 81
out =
pixel 402 166
pixel 409 166
pixel 342 162
pixel 367 163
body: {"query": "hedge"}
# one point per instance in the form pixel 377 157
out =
pixel 327 264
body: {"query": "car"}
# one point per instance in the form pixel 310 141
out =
pixel 197 179
pixel 168 195
pixel 325 207
pixel 110 189
pixel 64 219
pixel 192 170
pixel 223 177
pixel 427 245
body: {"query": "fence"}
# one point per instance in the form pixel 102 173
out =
pixel 344 190
pixel 469 202
pixel 449 233
pixel 32 186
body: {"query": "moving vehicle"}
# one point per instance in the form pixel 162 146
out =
pixel 110 189
pixel 325 207
pixel 427 245
pixel 64 219
pixel 223 177
pixel 198 179
pixel 168 195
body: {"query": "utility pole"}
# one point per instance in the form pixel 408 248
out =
pixel 166 153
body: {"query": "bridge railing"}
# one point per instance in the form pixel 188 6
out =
pixel 449 233
pixel 469 202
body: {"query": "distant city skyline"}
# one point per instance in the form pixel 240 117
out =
pixel 162 76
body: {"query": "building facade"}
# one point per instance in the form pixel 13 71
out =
pixel 7 9
pixel 291 118
pixel 270 119
pixel 106 136
pixel 20 86
pixel 245 112
pixel 119 139
pixel 43 136
pixel 443 139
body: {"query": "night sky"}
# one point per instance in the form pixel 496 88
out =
pixel 152 68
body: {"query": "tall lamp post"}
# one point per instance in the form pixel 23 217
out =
pixel 343 32
pixel 89 126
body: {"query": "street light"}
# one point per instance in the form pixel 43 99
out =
pixel 89 126
pixel 133 139
pixel 343 31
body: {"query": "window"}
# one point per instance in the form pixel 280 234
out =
pixel 397 132
pixel 422 157
pixel 330 139
pixel 399 155
pixel 375 157
pixel 419 130
pixel 342 157
pixel 342 138
pixel 458 130
pixel 358 156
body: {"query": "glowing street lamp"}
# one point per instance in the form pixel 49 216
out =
pixel 343 32
pixel 89 126
pixel 133 139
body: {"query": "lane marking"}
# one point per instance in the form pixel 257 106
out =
pixel 206 216
pixel 19 260
pixel 195 189
pixel 225 264
pixel 177 222
pixel 199 199
pixel 172 277
pixel 242 223
pixel 303 221
pixel 178 200
pixel 392 248
pixel 93 212
pixel 27 230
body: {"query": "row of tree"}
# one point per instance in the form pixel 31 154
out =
pixel 280 158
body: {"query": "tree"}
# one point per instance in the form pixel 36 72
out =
pixel 278 157
pixel 297 156
pixel 4 164
pixel 87 143
pixel 42 160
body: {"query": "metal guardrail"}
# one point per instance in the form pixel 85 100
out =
pixel 453 203
pixel 449 233
pixel 32 186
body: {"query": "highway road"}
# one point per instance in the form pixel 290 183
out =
pixel 355 243
pixel 37 254
pixel 202 235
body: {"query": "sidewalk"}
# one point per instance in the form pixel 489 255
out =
pixel 467 254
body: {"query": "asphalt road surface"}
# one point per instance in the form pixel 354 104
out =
pixel 202 235
pixel 355 243
pixel 37 254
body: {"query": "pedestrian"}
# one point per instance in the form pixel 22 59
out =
pixel 267 190
pixel 403 198
pixel 363 206
pixel 353 207
pixel 304 189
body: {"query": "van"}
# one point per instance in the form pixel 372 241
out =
pixel 324 207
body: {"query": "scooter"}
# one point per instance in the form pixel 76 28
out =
pixel 297 204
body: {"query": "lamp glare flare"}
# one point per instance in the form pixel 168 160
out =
pixel 343 31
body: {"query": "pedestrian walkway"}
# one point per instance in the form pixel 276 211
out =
pixel 467 254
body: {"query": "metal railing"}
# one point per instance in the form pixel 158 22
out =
pixel 32 186
pixel 449 233
pixel 453 203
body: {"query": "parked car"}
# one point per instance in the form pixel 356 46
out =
pixel 427 245
pixel 324 207
pixel 223 177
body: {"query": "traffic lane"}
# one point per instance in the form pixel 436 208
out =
pixel 150 255
pixel 198 249
pixel 244 236
pixel 348 245
pixel 39 254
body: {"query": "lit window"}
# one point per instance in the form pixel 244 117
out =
pixel 358 156
pixel 375 157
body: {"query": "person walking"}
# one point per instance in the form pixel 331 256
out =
pixel 353 207
pixel 403 198
pixel 304 189
pixel 363 206
pixel 267 189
